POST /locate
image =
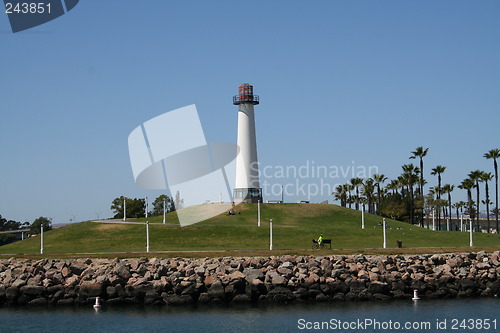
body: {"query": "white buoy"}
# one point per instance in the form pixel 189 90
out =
pixel 415 295
pixel 97 304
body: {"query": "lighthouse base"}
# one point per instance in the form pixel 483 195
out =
pixel 247 195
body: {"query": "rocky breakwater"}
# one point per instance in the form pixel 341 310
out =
pixel 242 280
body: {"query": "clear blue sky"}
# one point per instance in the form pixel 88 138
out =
pixel 339 81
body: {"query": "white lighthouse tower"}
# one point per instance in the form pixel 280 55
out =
pixel 247 188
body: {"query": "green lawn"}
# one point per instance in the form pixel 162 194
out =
pixel 294 226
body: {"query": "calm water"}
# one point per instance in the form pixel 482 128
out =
pixel 424 316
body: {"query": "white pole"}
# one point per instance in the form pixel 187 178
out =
pixel 385 236
pixel 147 236
pixel 448 224
pixel 271 234
pixel 41 239
pixel 146 207
pixel 471 241
pixel 363 217
pixel 461 222
pixel 124 209
pixel 433 219
pixel 258 213
pixel 164 212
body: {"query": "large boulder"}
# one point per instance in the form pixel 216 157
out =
pixel 91 289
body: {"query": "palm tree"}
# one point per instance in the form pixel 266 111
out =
pixel 379 179
pixel 494 154
pixel 459 206
pixel 467 184
pixel 420 152
pixel 410 174
pixel 349 188
pixel 368 191
pixel 438 170
pixel 476 177
pixel 356 182
pixel 486 177
pixel 448 189
pixel 393 186
pixel 340 194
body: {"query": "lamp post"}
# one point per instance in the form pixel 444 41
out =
pixel 270 234
pixel 147 236
pixel 164 212
pixel 385 236
pixel 434 219
pixel 363 217
pixel 124 209
pixel 471 242
pixel 146 207
pixel 41 239
pixel 258 213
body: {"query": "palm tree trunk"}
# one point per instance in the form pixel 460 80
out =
pixel 469 202
pixel 422 190
pixel 496 193
pixel 439 197
pixel 487 204
pixel 477 205
pixel 357 198
pixel 421 177
pixel 378 199
pixel 411 203
pixel 449 206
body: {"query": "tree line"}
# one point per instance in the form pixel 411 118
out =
pixel 11 225
pixel 135 208
pixel 404 198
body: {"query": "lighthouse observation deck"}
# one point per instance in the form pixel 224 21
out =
pixel 245 95
pixel 254 99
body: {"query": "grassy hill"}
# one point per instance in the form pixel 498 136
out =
pixel 294 226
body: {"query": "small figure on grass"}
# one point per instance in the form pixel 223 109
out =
pixel 320 241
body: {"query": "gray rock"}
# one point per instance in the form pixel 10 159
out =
pixel 216 290
pixel 278 280
pixel 122 271
pixel 281 295
pixel 175 300
pixel 241 299
pixel 18 283
pixel 11 293
pixel 39 301
pixel 77 267
pixel 32 290
pixel 204 298
pixel 378 288
pixel 322 298
pixel 252 273
pixel 66 301
pixel 91 289
pixel 357 286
